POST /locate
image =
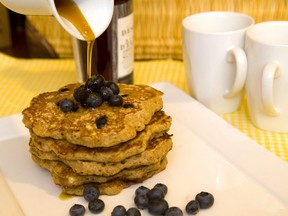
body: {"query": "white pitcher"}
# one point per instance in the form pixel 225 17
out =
pixel 98 13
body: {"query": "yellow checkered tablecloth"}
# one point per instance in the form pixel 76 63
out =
pixel 22 79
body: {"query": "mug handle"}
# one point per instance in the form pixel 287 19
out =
pixel 238 56
pixel 271 71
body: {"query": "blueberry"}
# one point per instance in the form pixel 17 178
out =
pixel 63 89
pixel 96 206
pixel 155 194
pixel 141 201
pixel 91 192
pixel 95 83
pixel 158 207
pixel 128 105
pixel 133 212
pixel 205 199
pixel 94 100
pixel 118 211
pixel 67 105
pixel 162 187
pixel 106 93
pixel 115 100
pixel 141 190
pixel 113 86
pixel 81 94
pixel 77 210
pixel 173 211
pixel 192 207
pixel 124 95
pixel 101 121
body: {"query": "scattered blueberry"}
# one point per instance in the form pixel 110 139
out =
pixel 162 187
pixel 67 105
pixel 101 121
pixel 118 211
pixel 96 206
pixel 115 100
pixel 155 194
pixel 77 210
pixel 173 211
pixel 145 198
pixel 157 207
pixel 141 190
pixel 91 192
pixel 205 199
pixel 192 207
pixel 141 201
pixel 133 212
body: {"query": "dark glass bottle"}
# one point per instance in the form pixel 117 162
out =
pixel 113 52
pixel 18 35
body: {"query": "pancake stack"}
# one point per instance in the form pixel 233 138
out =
pixel 129 146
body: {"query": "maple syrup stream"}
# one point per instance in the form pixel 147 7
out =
pixel 70 11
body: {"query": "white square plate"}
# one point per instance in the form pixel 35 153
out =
pixel 208 155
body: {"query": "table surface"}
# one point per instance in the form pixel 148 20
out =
pixel 22 79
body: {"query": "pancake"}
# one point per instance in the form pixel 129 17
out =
pixel 156 149
pixel 112 187
pixel 98 132
pixel 159 124
pixel 46 119
pixel 64 175
pixel 108 188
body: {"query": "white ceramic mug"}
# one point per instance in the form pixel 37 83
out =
pixel 214 60
pixel 98 13
pixel 267 80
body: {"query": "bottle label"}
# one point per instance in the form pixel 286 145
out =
pixel 125 45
